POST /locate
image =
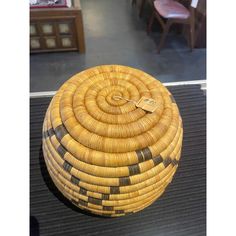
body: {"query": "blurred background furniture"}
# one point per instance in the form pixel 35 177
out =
pixel 169 12
pixel 146 8
pixel 57 29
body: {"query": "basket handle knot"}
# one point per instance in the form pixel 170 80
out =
pixel 145 103
pixel 122 98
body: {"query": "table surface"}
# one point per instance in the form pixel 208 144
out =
pixel 180 211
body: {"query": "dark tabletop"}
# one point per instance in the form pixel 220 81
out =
pixel 180 211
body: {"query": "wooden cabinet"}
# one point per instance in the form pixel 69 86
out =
pixel 57 29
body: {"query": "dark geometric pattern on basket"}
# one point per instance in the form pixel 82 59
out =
pixel 95 201
pixel 143 155
pixel 124 181
pixel 133 169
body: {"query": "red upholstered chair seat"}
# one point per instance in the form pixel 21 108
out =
pixel 171 9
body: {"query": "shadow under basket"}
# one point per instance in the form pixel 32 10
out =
pixel 106 153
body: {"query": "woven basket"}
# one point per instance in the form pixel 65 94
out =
pixel 106 155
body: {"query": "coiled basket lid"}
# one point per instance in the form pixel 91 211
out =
pixel 106 155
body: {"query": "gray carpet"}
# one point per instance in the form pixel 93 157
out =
pixel 181 210
pixel 114 34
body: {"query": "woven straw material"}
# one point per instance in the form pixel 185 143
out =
pixel 106 155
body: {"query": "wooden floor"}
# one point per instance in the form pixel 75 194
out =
pixel 180 211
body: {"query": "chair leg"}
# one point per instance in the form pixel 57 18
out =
pixel 134 2
pixel 163 36
pixel 150 23
pixel 142 8
pixel 191 31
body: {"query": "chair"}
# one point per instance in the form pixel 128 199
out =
pixel 169 12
